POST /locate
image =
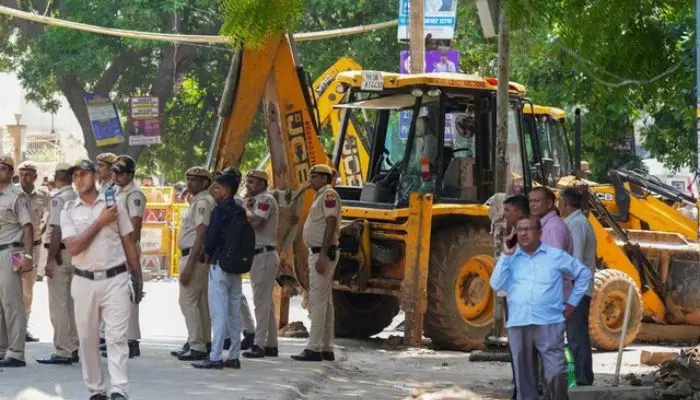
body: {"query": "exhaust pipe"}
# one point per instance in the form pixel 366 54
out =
pixel 577 142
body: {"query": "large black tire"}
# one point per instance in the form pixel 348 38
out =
pixel 607 311
pixel 361 315
pixel 460 298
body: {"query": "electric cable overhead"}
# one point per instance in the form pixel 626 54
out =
pixel 186 39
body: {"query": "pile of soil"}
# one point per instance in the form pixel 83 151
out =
pixel 455 393
pixel 677 379
pixel 294 330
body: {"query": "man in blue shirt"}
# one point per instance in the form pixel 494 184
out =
pixel 531 275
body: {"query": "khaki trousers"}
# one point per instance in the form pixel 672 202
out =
pixel 246 316
pixel 110 299
pixel 262 276
pixel 13 321
pixel 194 305
pixel 28 281
pixel 322 332
pixel 65 334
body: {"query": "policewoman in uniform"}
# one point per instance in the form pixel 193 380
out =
pixel 321 233
pixel 38 205
pixel 262 211
pixel 59 273
pixel 98 236
pixel 194 276
pixel 133 200
pixel 16 257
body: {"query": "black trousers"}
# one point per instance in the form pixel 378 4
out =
pixel 580 342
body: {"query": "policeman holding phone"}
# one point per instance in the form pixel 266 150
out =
pixel 97 232
pixel 321 233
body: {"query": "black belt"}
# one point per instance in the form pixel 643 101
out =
pixel 101 275
pixel 47 245
pixel 317 250
pixel 8 245
pixel 185 252
pixel 263 249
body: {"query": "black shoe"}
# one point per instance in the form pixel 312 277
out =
pixel 328 356
pixel 28 337
pixel 99 397
pixel 103 346
pixel 207 364
pixel 192 355
pixel 9 362
pixel 39 278
pixel 102 340
pixel 184 349
pixel 227 344
pixel 271 352
pixel 254 352
pixel 308 355
pixel 55 359
pixel 117 396
pixel 235 364
pixel 248 340
pixel 76 357
pixel 208 347
pixel 134 349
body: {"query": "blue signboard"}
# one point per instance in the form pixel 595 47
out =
pixel 439 17
pixel 106 126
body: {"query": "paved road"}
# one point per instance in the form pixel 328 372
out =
pixel 364 369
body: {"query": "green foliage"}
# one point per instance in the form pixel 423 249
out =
pixel 250 21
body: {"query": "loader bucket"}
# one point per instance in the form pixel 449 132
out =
pixel 677 262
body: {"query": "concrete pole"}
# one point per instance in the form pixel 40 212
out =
pixel 502 105
pixel 417 36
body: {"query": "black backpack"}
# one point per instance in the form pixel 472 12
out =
pixel 236 257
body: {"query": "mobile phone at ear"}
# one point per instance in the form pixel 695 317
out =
pixel 512 242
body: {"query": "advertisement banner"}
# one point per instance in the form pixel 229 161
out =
pixel 435 61
pixel 144 121
pixel 106 127
pixel 439 17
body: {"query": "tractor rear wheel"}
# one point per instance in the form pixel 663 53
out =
pixel 460 298
pixel 607 312
pixel 361 315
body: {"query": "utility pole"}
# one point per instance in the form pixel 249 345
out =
pixel 502 104
pixel 417 36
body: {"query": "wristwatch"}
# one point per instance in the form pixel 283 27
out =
pixel 28 256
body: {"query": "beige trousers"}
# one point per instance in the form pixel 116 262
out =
pixel 28 281
pixel 322 332
pixel 65 334
pixel 13 321
pixel 194 305
pixel 110 299
pixel 248 323
pixel 262 276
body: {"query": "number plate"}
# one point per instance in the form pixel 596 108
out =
pixel 372 80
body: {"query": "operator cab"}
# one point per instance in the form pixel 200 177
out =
pixel 548 149
pixel 429 133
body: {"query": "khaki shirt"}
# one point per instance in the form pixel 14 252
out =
pixel 326 204
pixel 14 214
pixel 106 250
pixel 101 187
pixel 266 207
pixel 58 201
pixel 38 205
pixel 198 213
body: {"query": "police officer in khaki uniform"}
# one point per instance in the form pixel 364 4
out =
pixel 321 233
pixel 38 205
pixel 98 236
pixel 59 271
pixel 133 200
pixel 16 257
pixel 104 170
pixel 194 276
pixel 263 214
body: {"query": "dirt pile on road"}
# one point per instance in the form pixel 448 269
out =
pixel 294 330
pixel 677 379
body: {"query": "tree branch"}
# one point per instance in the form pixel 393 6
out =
pixel 112 74
pixel 173 58
pixel 30 30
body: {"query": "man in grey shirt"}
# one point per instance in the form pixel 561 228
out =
pixel 584 246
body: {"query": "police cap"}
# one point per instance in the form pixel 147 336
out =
pixel 27 166
pixel 322 169
pixel 86 165
pixel 107 158
pixel 256 173
pixel 124 165
pixel 199 172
